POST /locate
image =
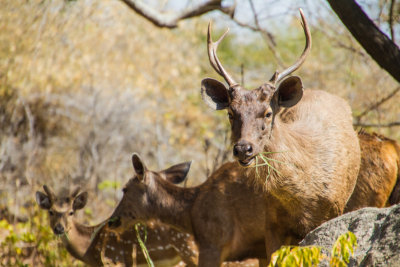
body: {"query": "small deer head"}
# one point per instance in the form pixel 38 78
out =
pixel 62 208
pixel 137 203
pixel 252 112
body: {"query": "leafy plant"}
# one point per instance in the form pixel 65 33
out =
pixel 342 248
pixel 296 256
pixel 32 243
pixel 312 255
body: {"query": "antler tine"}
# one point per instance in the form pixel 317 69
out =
pixel 49 192
pixel 303 56
pixel 212 55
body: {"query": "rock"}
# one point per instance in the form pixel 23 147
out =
pixel 377 231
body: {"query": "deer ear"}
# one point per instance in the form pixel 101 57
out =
pixel 289 91
pixel 138 166
pixel 176 174
pixel 215 94
pixel 43 200
pixel 80 201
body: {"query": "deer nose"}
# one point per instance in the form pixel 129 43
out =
pixel 243 150
pixel 58 229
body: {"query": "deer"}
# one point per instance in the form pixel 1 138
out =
pixel 298 145
pixel 229 215
pixel 378 179
pixel 225 214
pixel 96 246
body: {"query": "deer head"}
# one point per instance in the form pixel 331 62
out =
pixel 136 205
pixel 252 113
pixel 61 209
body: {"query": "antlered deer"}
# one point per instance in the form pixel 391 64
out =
pixel 94 244
pixel 307 136
pixel 378 180
pixel 226 215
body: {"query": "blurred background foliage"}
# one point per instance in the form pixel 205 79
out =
pixel 84 84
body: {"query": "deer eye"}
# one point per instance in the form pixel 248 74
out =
pixel 268 114
pixel 230 116
pixel 51 213
pixel 124 190
pixel 71 213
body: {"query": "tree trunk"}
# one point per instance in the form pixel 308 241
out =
pixel 385 52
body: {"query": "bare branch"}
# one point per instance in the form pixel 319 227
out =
pixel 379 46
pixel 268 37
pixel 392 4
pixel 164 20
pixel 378 125
pixel 377 104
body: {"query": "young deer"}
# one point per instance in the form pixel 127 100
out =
pixel 306 138
pixel 378 180
pixel 94 244
pixel 226 215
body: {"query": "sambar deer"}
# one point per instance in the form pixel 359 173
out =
pixel 226 215
pixel 96 246
pixel 229 215
pixel 306 138
pixel 378 181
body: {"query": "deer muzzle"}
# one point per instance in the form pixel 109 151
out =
pixel 243 151
pixel 58 229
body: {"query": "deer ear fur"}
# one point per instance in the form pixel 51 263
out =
pixel 80 201
pixel 138 166
pixel 214 94
pixel 177 174
pixel 290 92
pixel 43 200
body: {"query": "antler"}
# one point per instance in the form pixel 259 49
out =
pixel 277 77
pixel 212 55
pixel 76 191
pixel 49 193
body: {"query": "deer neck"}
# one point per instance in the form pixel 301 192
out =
pixel 78 239
pixel 171 204
pixel 287 152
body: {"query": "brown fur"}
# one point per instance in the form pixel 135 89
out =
pixel 228 217
pixel 378 179
pixel 308 136
pixel 95 245
pixel 318 158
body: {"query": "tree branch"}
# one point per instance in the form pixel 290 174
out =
pixel 378 125
pixel 376 43
pixel 164 20
pixel 392 4
pixel 377 104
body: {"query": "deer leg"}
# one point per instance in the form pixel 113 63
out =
pixel 209 257
pixel 134 255
pixel 273 241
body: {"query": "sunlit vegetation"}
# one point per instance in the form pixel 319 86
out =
pixel 84 84
pixel 342 250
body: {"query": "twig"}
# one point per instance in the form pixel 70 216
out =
pixel 377 104
pixel 164 20
pixel 378 125
pixel 268 37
